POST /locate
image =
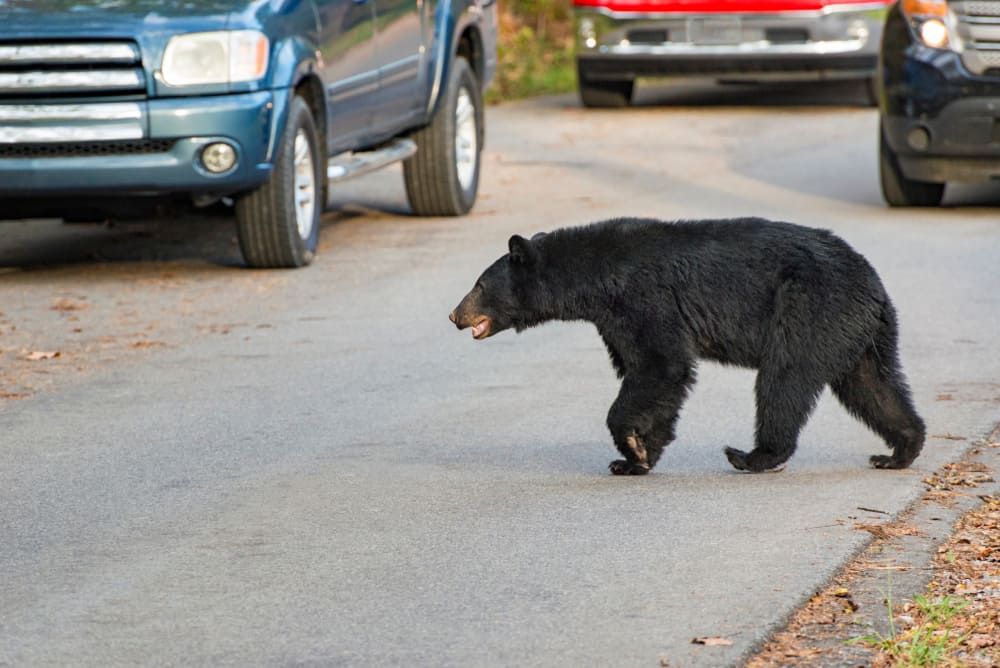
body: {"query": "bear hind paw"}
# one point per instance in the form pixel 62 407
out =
pixel 624 467
pixel 889 462
pixel 752 462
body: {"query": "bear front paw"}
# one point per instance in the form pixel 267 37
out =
pixel 623 467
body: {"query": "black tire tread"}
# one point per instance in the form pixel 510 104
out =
pixel 265 217
pixel 432 186
pixel 899 191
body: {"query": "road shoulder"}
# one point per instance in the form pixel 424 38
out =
pixel 937 566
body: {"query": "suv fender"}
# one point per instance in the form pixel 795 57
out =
pixel 294 61
pixel 453 18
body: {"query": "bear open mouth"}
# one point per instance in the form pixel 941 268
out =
pixel 481 328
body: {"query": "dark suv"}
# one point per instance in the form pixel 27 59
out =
pixel 108 106
pixel 939 98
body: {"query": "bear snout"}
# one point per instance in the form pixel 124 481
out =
pixel 482 325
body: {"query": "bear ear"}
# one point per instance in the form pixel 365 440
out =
pixel 522 251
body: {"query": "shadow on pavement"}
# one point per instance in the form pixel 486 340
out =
pixel 794 94
pixel 50 242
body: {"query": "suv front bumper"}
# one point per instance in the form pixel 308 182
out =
pixel 839 42
pixel 941 121
pixel 149 147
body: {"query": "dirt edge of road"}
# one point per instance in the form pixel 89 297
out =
pixel 944 547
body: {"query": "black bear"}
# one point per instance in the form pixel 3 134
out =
pixel 797 304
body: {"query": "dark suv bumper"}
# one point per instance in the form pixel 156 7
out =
pixel 941 121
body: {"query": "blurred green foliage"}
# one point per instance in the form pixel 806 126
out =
pixel 535 50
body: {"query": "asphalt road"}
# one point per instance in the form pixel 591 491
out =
pixel 313 468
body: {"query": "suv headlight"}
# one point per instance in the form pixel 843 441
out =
pixel 223 56
pixel 930 20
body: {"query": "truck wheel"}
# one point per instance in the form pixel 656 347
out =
pixel 897 190
pixel 442 177
pixel 603 94
pixel 278 223
pixel 606 95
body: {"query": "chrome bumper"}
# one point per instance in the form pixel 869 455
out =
pixel 838 32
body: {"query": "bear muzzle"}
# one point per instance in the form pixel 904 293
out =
pixel 481 325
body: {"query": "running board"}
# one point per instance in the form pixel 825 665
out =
pixel 348 165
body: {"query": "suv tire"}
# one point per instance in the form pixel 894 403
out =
pixel 897 190
pixel 278 223
pixel 442 177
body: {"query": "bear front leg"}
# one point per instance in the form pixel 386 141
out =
pixel 636 460
pixel 642 420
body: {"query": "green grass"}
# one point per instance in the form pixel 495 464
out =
pixel 929 643
pixel 535 52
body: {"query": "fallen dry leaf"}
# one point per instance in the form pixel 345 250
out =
pixel 69 305
pixel 889 530
pixel 712 642
pixel 37 355
pixel 13 395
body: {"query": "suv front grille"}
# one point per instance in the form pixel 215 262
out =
pixel 978 26
pixel 44 70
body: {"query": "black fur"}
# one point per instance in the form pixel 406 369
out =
pixel 796 303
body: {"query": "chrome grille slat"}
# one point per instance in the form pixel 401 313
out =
pixel 69 81
pixel 977 24
pixel 976 7
pixel 34 70
pixel 83 53
pixel 41 124
pixel 40 113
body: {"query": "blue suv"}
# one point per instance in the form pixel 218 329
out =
pixel 261 104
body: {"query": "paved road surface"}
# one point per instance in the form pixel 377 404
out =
pixel 313 468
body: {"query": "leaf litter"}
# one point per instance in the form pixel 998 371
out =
pixel 964 580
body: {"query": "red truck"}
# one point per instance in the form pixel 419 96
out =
pixel 619 41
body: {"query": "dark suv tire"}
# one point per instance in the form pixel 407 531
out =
pixel 442 177
pixel 897 190
pixel 278 223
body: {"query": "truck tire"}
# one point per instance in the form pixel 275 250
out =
pixel 606 94
pixel 442 177
pixel 603 94
pixel 897 190
pixel 278 223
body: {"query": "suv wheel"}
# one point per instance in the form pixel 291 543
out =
pixel 278 223
pixel 897 190
pixel 442 177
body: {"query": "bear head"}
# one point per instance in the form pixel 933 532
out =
pixel 506 294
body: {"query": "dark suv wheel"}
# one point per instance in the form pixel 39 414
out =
pixel 897 190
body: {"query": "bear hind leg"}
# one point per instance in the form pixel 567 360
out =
pixel 876 393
